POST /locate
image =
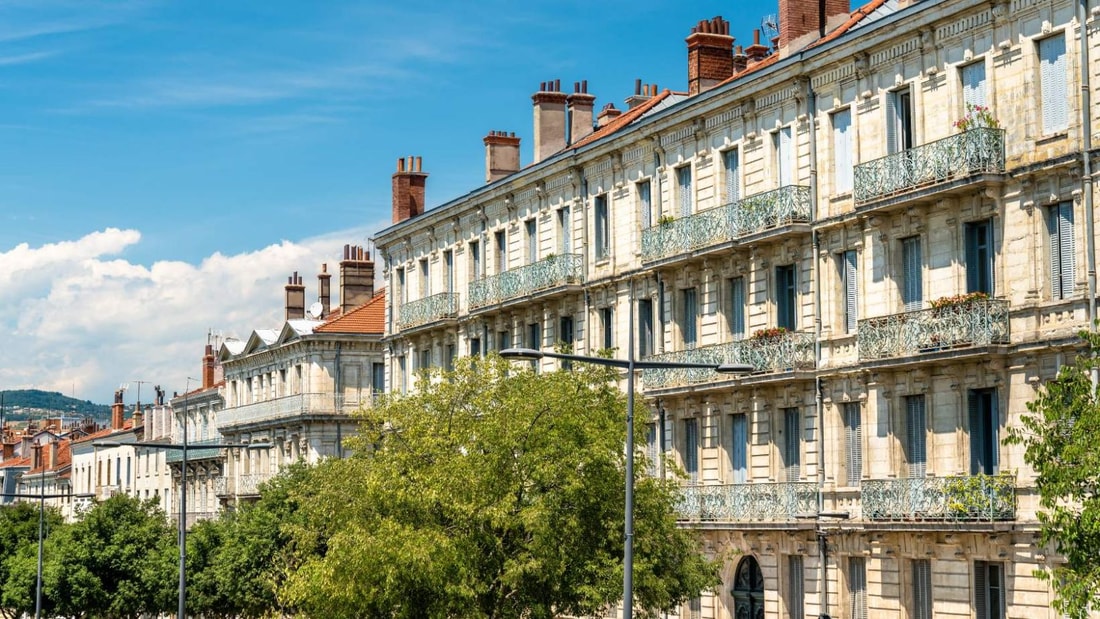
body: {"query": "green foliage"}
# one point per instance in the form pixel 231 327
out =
pixel 1059 437
pixel 19 555
pixel 491 492
pixel 981 496
pixel 53 401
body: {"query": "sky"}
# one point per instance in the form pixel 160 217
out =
pixel 164 166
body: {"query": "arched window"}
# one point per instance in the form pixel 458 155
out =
pixel 748 590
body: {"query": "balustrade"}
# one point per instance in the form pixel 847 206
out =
pixel 786 351
pixel 972 498
pixel 429 309
pixel 522 281
pixel 979 322
pixel 767 502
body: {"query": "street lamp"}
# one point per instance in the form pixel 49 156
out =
pixel 181 611
pixel 630 364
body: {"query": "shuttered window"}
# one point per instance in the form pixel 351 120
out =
pixel 796 591
pixel 1054 84
pixel 645 328
pixel 425 280
pixel 731 162
pixel 912 283
pixel 785 297
pixel 842 151
pixel 848 276
pixel 565 230
pixel 603 228
pixel 972 77
pixel 899 121
pixel 784 156
pixel 792 446
pixel 645 204
pixel 739 446
pixel 449 271
pixel 989 599
pixel 737 307
pixel 691 449
pixel 683 183
pixel 979 257
pixel 651 448
pixel 502 250
pixel 984 427
pixel 689 317
pixel 531 227
pixel 475 260
pixel 857 587
pixel 853 442
pixel 1060 235
pixel 695 608
pixel 922 589
pixel 915 435
pixel 607 326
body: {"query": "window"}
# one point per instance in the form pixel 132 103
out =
pixel 853 442
pixel 736 316
pixel 565 331
pixel 534 335
pixel 739 447
pixel 425 283
pixel 449 272
pixel 785 297
pixel 425 360
pixel 695 608
pixel 796 592
pixel 691 449
pixel 731 164
pixel 689 317
pixel 792 446
pixel 475 347
pixel 607 327
pixel 912 283
pixel 915 436
pixel 645 204
pixel 922 589
pixel 972 77
pixel 683 187
pixel 842 151
pixel 565 230
pixel 651 453
pixel 402 374
pixel 979 257
pixel 899 121
pixel 1060 234
pixel 475 260
pixel 783 144
pixel 603 228
pixel 1053 84
pixel 984 426
pixel 857 587
pixel 531 226
pixel 989 590
pixel 645 328
pixel 449 357
pixel 848 278
pixel 402 289
pixel 504 340
pixel 501 239
pixel 378 378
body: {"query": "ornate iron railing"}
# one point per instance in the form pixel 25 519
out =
pixel 196 450
pixel 428 309
pixel 766 501
pixel 788 351
pixel 289 407
pixel 240 485
pixel 958 156
pixel 971 323
pixel 964 498
pixel 521 281
pixel 717 225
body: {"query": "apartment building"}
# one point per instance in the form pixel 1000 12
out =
pixel 882 212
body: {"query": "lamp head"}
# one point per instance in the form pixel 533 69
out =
pixel 735 368
pixel 521 354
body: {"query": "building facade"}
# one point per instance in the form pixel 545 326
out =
pixel 883 213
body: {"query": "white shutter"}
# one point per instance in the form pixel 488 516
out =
pixel 912 285
pixel 842 151
pixel 785 157
pixel 973 83
pixel 1054 86
pixel 916 429
pixel 1062 260
pixel 683 178
pixel 853 439
pixel 645 204
pixel 857 587
pixel 566 223
pixel 732 162
pixel 891 123
pixel 850 291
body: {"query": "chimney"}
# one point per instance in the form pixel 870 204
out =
pixel 408 189
pixel 51 458
pixel 580 112
pixel 139 418
pixel 117 410
pixel 710 55
pixel 757 51
pixel 324 290
pixel 8 451
pixel 295 298
pixel 642 93
pixel 208 367
pixel 501 155
pixel 802 22
pixel 740 60
pixel 607 114
pixel 549 119
pixel 356 278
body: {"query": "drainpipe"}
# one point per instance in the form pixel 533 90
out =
pixel 1086 174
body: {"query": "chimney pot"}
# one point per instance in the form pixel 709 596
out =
pixel 710 57
pixel 801 22
pixel 408 190
pixel 580 112
pixel 501 155
pixel 550 120
pixel 356 280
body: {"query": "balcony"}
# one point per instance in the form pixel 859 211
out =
pixel 545 274
pixel 979 322
pixel 958 159
pixel 190 518
pixel 240 485
pixel 429 309
pixel 791 350
pixel 786 205
pixel 767 502
pixel 287 408
pixel 968 498
pixel 195 452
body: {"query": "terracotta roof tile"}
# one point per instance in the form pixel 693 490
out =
pixel 95 435
pixel 856 16
pixel 623 119
pixel 19 461
pixel 367 319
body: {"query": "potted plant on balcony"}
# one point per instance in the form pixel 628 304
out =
pixel 665 220
pixel 770 334
pixel 977 117
pixel 940 305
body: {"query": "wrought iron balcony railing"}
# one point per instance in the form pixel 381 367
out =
pixel 971 323
pixel 714 226
pixel 195 451
pixel 788 351
pixel 767 502
pixel 240 485
pixel 288 407
pixel 979 150
pixel 522 281
pixel 428 309
pixel 969 498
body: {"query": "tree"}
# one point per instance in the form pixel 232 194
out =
pixel 491 492
pixel 19 555
pixel 1059 436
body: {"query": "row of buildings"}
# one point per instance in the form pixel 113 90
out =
pixel 887 212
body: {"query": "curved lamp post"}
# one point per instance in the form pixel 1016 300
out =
pixel 630 365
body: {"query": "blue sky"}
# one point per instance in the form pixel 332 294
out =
pixel 145 145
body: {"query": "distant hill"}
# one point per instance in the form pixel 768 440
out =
pixel 21 403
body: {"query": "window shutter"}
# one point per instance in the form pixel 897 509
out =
pixel 645 204
pixel 796 591
pixel 857 587
pixel 683 177
pixel 651 448
pixel 737 311
pixel 786 157
pixel 995 582
pixel 668 435
pixel 891 123
pixel 922 589
pixel 739 448
pixel 1054 87
pixel 1062 267
pixel 916 428
pixel 981 591
pixel 912 286
pixel 977 436
pixel 733 175
pixel 973 83
pixel 690 317
pixel 793 456
pixel 566 230
pixel 853 438
pixel 691 449
pixel 842 151
pixel 850 291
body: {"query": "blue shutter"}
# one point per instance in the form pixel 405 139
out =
pixel 922 589
pixel 691 449
pixel 792 463
pixel 973 83
pixel 732 162
pixel 739 448
pixel 683 179
pixel 785 158
pixel 1062 259
pixel 912 288
pixel 737 309
pixel 916 435
pixel 853 441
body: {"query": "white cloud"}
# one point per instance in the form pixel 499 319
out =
pixel 78 315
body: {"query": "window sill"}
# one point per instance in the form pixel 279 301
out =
pixel 601 262
pixel 1048 139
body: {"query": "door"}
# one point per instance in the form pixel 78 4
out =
pixel 748 590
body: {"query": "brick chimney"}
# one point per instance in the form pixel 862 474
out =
pixel 295 298
pixel 208 367
pixel 757 51
pixel 501 155
pixel 356 278
pixel 642 93
pixel 549 119
pixel 117 411
pixel 802 22
pixel 607 114
pixel 740 60
pixel 408 189
pixel 580 112
pixel 710 55
pixel 8 451
pixel 324 290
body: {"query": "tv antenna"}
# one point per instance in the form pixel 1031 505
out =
pixel 769 24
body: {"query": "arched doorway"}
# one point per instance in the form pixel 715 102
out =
pixel 748 590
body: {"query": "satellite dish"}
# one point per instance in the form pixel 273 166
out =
pixel 315 310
